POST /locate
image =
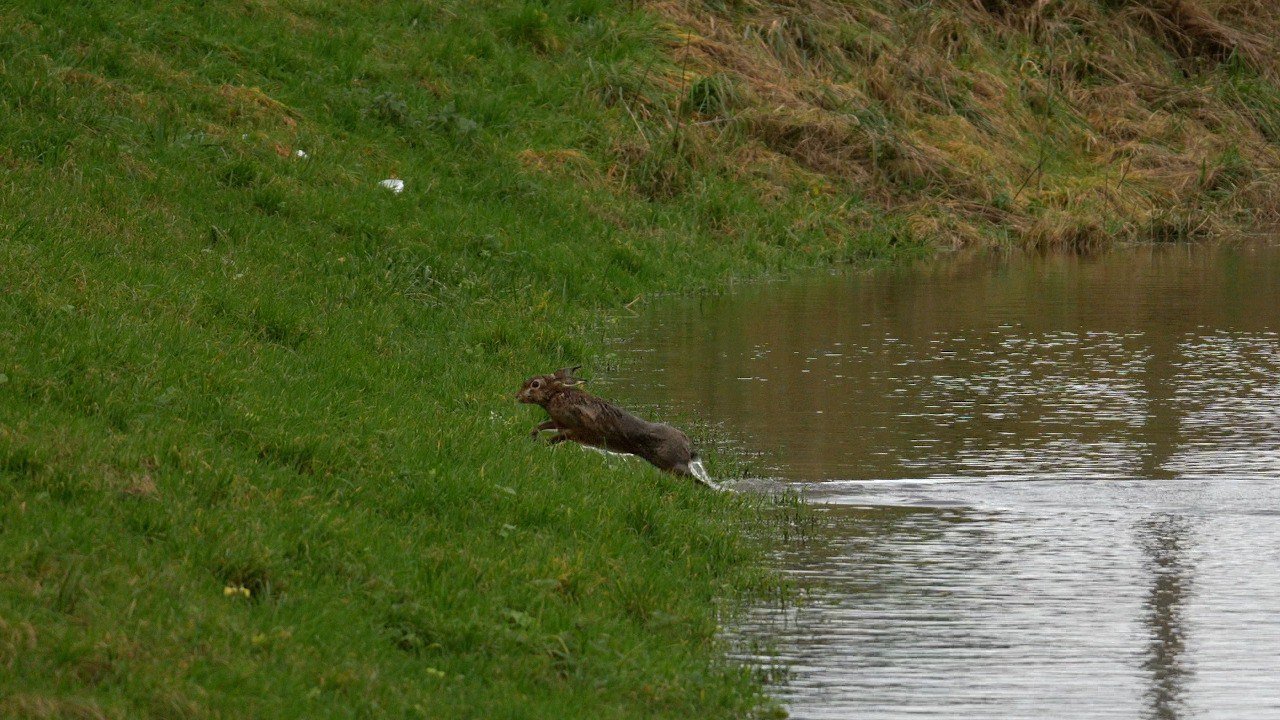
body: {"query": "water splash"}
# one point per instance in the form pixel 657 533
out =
pixel 700 473
pixel 696 468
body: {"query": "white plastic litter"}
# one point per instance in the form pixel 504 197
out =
pixel 395 185
pixel 302 154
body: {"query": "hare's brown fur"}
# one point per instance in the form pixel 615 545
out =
pixel 584 418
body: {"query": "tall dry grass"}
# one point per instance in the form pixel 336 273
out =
pixel 1049 123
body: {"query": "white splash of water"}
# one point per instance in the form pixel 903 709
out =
pixel 695 466
pixel 701 474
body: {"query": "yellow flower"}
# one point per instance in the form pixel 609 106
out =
pixel 230 590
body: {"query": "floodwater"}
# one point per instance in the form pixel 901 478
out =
pixel 1046 487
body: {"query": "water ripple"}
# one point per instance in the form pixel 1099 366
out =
pixel 1046 487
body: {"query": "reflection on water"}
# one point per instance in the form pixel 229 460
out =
pixel 1163 537
pixel 1048 487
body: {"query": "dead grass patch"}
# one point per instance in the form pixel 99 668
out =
pixel 559 162
pixel 1059 121
pixel 32 706
pixel 252 103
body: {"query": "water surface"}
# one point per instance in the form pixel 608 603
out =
pixel 1046 486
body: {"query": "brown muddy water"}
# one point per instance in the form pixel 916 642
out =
pixel 1046 487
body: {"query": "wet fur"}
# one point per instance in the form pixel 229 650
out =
pixel 584 418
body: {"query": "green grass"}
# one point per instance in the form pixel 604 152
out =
pixel 223 366
pixel 259 451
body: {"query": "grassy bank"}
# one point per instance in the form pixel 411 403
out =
pixel 1052 124
pixel 259 455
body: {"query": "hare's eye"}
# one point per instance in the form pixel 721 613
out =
pixel 536 384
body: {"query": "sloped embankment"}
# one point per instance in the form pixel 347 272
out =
pixel 1046 123
pixel 258 449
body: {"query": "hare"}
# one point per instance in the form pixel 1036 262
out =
pixel 584 418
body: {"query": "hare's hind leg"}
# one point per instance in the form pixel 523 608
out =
pixel 544 425
pixel 562 436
